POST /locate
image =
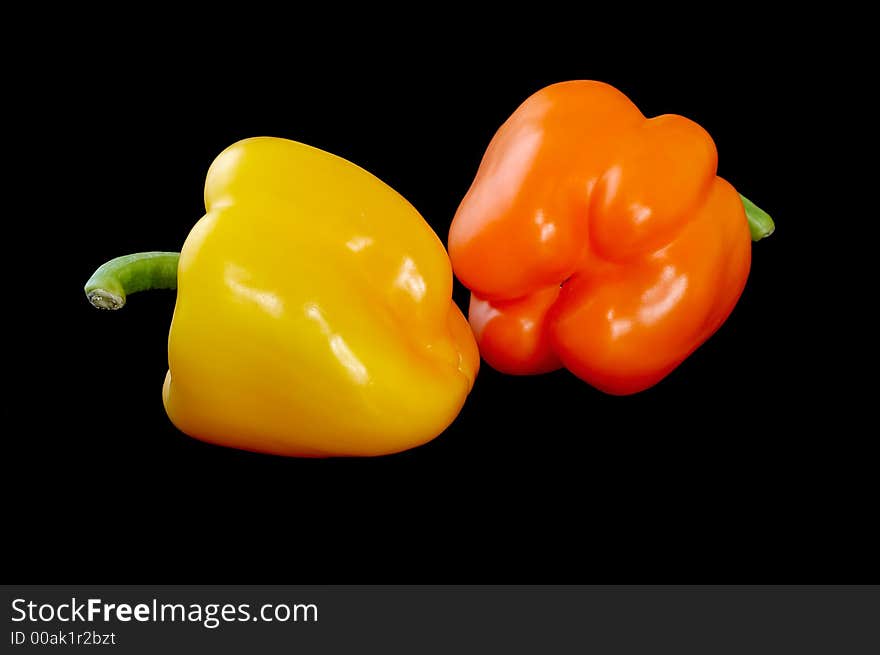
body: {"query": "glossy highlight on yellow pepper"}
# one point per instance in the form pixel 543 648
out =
pixel 314 314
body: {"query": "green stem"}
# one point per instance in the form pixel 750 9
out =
pixel 760 223
pixel 141 271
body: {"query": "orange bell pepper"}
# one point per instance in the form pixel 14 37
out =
pixel 598 240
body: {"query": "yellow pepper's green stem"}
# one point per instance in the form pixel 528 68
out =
pixel 760 223
pixel 112 282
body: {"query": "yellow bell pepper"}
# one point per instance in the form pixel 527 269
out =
pixel 314 314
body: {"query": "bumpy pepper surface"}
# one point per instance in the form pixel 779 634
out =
pixel 314 313
pixel 598 240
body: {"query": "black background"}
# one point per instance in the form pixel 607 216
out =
pixel 744 465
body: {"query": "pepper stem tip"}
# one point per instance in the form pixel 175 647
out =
pixel 761 225
pixel 114 281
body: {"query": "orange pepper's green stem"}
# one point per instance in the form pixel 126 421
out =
pixel 113 281
pixel 760 223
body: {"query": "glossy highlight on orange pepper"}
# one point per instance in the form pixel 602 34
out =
pixel 598 240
